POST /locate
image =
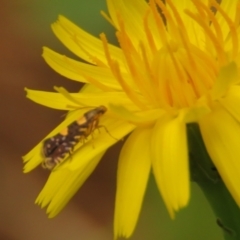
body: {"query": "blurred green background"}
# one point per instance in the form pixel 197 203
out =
pixel 25 28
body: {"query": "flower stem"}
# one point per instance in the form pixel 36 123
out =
pixel 204 173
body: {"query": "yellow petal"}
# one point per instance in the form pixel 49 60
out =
pixel 52 186
pixel 89 88
pixel 170 162
pixel 51 99
pixel 71 186
pixel 79 71
pixel 59 101
pixel 181 6
pixel 133 171
pixel 131 13
pixel 229 7
pixel 33 158
pixel 67 178
pixel 194 30
pixel 81 43
pixel 220 134
pixel 63 184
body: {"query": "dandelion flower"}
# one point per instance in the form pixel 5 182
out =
pixel 177 63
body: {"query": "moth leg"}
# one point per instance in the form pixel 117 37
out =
pixel 102 126
pixel 92 141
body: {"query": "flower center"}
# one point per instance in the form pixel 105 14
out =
pixel 175 58
pixel 182 78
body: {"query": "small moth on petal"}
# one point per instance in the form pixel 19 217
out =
pixel 57 147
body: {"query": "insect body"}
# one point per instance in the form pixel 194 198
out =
pixel 58 146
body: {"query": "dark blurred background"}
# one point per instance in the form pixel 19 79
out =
pixel 25 28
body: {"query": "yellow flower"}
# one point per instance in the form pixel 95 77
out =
pixel 177 63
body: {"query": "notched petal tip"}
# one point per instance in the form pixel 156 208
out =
pixel 133 172
pixel 170 162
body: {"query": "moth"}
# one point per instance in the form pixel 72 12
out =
pixel 57 147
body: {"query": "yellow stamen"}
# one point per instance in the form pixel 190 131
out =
pixel 212 19
pixel 179 30
pixel 232 28
pixel 179 23
pixel 116 71
pixel 74 36
pixel 198 78
pixel 88 78
pixel 108 18
pixel 66 94
pixel 106 50
pixel 159 21
pixel 197 82
pixel 139 74
pixel 129 52
pixel 197 86
pixel 172 29
pixel 96 83
pixel 151 81
pixel 237 15
pixel 131 94
pixel 208 32
pixel 94 59
pixel 149 36
pixel 177 98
